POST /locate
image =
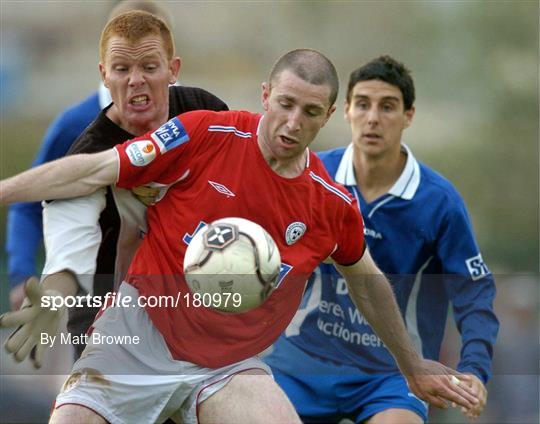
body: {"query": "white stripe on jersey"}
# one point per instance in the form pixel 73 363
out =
pixel 236 131
pixel 382 202
pixel 329 187
pixel 313 302
pixel 412 309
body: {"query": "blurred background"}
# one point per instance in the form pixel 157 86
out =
pixel 476 70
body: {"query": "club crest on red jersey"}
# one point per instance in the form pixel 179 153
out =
pixel 294 231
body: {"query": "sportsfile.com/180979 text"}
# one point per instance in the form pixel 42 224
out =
pixel 189 300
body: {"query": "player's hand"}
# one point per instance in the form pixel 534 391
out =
pixel 435 383
pixel 146 194
pixel 478 387
pixel 32 320
pixel 16 296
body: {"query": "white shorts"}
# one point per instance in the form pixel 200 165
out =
pixel 141 382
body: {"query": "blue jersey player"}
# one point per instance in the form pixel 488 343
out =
pixel 329 361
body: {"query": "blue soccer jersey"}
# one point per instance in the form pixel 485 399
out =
pixel 420 235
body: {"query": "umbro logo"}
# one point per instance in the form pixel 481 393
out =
pixel 221 189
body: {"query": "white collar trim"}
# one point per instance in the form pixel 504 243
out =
pixel 259 126
pixel 345 171
pixel 104 96
pixel 405 186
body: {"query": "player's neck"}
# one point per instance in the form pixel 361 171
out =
pixel 284 167
pixel 290 168
pixel 375 175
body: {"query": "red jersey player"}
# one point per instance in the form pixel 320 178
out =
pixel 198 362
pixel 198 151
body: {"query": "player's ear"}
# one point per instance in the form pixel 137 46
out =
pixel 346 106
pixel 174 69
pixel 103 73
pixel 329 113
pixel 409 115
pixel 265 96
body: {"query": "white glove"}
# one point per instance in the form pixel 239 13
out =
pixel 32 320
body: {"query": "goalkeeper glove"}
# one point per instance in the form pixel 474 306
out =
pixel 32 320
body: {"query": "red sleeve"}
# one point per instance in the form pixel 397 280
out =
pixel 163 155
pixel 350 236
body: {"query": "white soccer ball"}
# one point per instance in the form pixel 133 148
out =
pixel 231 265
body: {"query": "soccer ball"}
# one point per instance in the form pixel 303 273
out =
pixel 231 265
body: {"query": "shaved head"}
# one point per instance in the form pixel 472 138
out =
pixel 309 65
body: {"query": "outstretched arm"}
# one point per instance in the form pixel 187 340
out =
pixel 373 295
pixel 471 290
pixel 72 176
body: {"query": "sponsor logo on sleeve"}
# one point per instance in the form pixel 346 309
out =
pixel 170 135
pixel 141 153
pixel 477 268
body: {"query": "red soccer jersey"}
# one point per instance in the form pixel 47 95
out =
pixel 215 169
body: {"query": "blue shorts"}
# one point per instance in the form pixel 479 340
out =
pixel 324 391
